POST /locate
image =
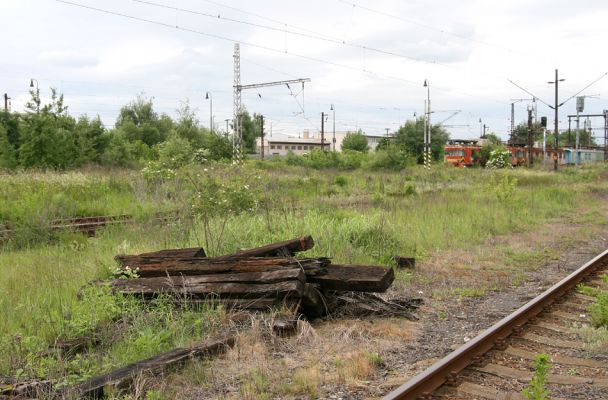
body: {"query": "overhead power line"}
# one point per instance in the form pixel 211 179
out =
pixel 274 50
pixel 433 28
pixel 306 35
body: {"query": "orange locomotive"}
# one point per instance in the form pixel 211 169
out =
pixel 462 153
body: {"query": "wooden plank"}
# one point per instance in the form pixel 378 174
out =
pixel 526 376
pixel 141 287
pixel 177 253
pixel 583 298
pixel 549 341
pixel 555 358
pixel 155 365
pixel 185 281
pixel 360 278
pixel 262 303
pixel 569 316
pixel 486 392
pixel 163 266
pixel 25 390
pixel 287 248
pixel 553 327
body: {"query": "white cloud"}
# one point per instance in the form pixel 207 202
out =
pixel 468 50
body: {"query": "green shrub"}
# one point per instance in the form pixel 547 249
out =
pixel 341 181
pixel 599 311
pixel 499 158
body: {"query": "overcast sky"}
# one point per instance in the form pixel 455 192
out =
pixel 368 58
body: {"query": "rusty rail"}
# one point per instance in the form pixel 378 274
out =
pixel 89 225
pixel 445 370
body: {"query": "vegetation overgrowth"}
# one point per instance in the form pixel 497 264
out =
pixel 356 216
pixel 46 136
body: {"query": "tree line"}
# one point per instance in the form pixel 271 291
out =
pixel 46 136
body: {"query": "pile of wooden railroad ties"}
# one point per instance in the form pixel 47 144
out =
pixel 255 279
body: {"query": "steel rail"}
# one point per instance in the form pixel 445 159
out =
pixel 446 370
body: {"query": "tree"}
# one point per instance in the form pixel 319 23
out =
pixel 91 139
pixel 10 122
pixel 250 131
pixel 8 156
pixel 356 141
pixel 568 139
pixel 138 121
pixel 520 133
pixel 47 134
pixel 411 138
pixel 187 126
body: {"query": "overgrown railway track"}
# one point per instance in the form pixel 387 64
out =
pixel 497 363
pixel 89 225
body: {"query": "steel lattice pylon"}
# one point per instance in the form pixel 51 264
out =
pixel 237 132
pixel 237 110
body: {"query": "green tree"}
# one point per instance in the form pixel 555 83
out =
pixel 217 147
pixel 356 141
pixel 520 133
pixel 250 130
pixel 8 154
pixel 410 137
pixel 138 121
pixel 188 126
pixel 10 122
pixel 91 139
pixel 568 139
pixel 47 134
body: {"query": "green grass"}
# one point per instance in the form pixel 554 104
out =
pixel 354 217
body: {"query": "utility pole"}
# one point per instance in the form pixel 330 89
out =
pixel 556 109
pixel 227 120
pixel 428 126
pixel 580 107
pixel 530 137
pixel 556 134
pixel 333 109
pixel 209 97
pixel 6 99
pixel 323 130
pixel 513 101
pixel 262 135
pixel 387 129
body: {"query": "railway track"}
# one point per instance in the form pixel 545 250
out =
pixel 89 225
pixel 497 363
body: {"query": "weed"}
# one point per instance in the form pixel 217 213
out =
pixel 537 390
pixel 599 310
pixel 468 292
pixel 375 359
pixel 587 290
pixel 341 181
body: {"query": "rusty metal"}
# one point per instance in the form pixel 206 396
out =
pixel 441 372
pixel 89 225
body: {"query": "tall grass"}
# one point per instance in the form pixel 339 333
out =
pixel 360 218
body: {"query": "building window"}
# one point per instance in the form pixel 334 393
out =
pixel 299 147
pixel 272 147
pixel 293 147
pixel 279 147
pixel 305 147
